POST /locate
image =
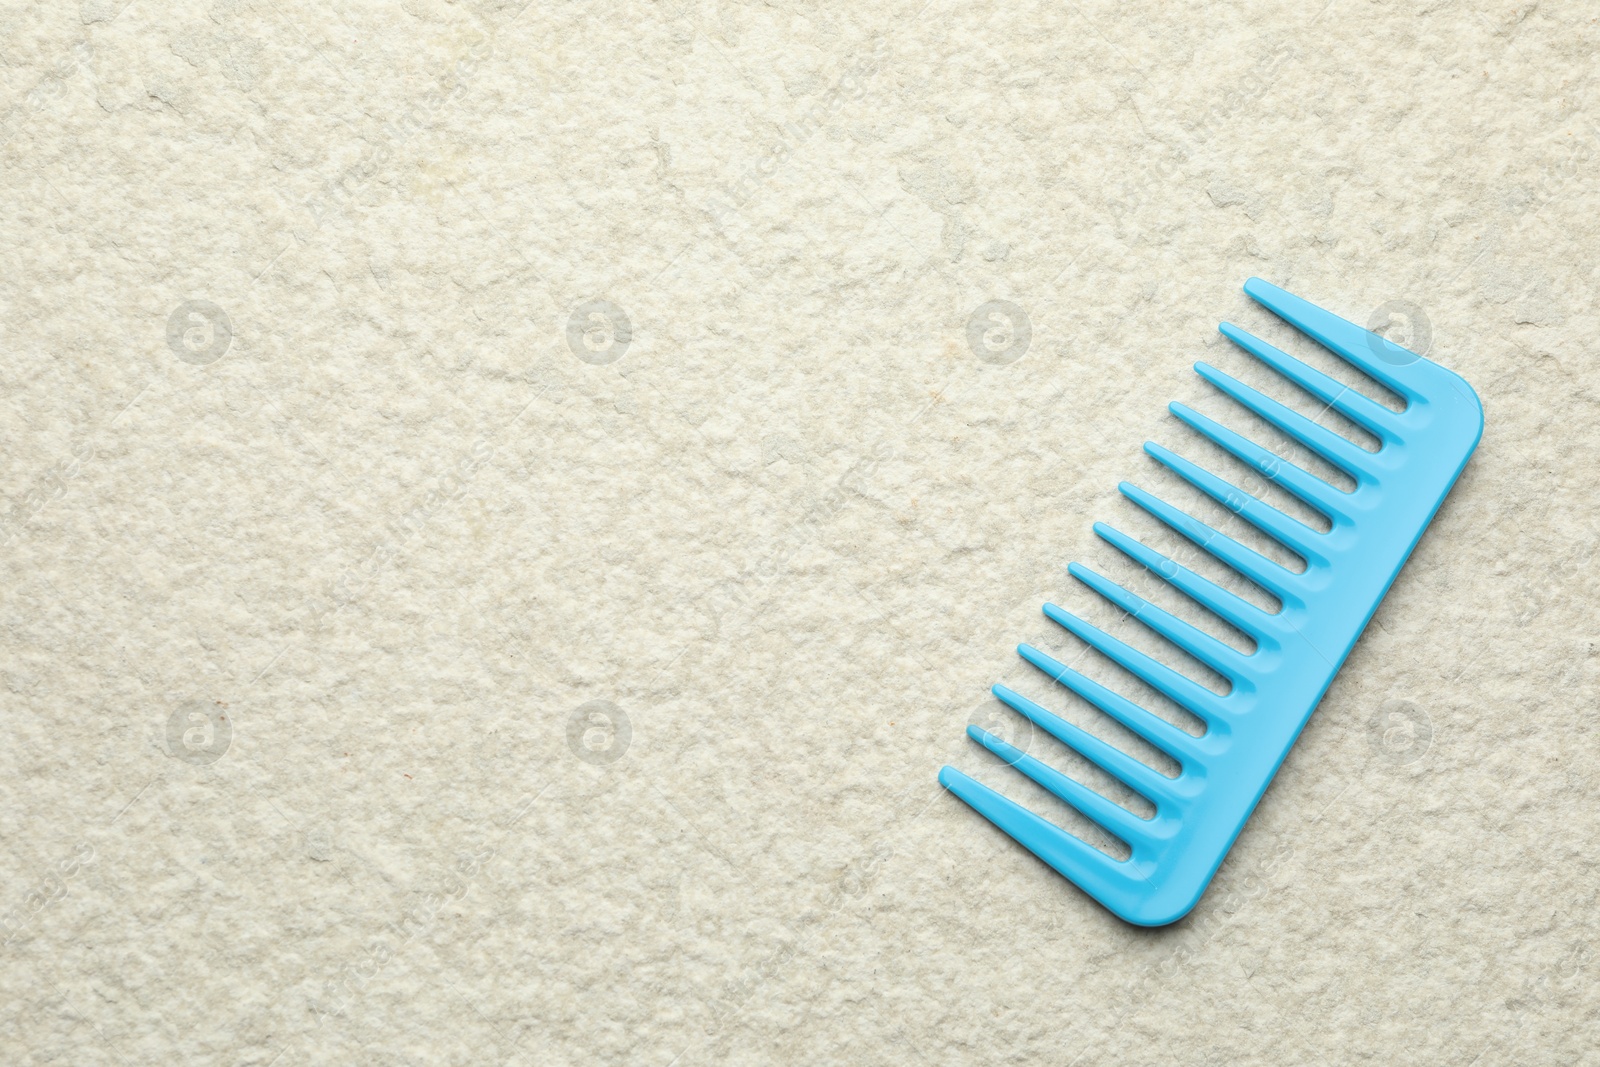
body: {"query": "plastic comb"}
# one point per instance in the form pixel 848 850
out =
pixel 1273 690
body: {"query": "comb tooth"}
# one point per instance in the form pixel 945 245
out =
pixel 1086 867
pixel 1269 520
pixel 1344 339
pixel 1356 462
pixel 1160 677
pixel 1376 418
pixel 1199 644
pixel 1114 817
pixel 1155 787
pixel 1314 491
pixel 1158 732
pixel 1234 610
pixel 1253 565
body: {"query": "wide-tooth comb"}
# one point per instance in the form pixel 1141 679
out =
pixel 1224 771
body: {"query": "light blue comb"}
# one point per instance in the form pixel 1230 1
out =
pixel 1174 854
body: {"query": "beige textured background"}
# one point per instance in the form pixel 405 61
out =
pixel 389 547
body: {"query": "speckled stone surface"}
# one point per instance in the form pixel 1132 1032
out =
pixel 507 508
